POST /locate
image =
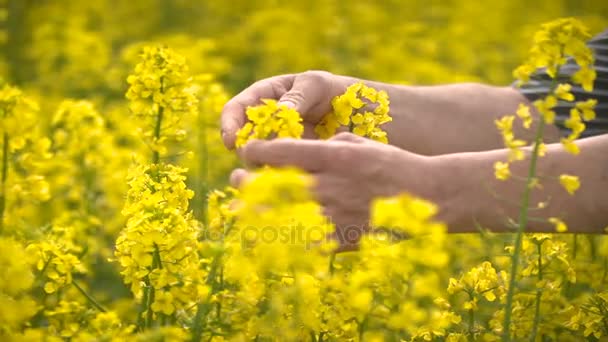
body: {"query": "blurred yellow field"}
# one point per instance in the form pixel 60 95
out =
pixel 117 221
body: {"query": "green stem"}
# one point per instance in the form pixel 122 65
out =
pixel 89 297
pixel 158 126
pixel 141 324
pixel 156 257
pixel 16 36
pixel 5 151
pixel 332 259
pixel 157 129
pixel 203 169
pixel 539 293
pixel 149 312
pixel 471 320
pixel 523 221
pixel 362 325
pixel 203 308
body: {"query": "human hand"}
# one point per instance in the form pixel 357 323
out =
pixel 309 93
pixel 350 171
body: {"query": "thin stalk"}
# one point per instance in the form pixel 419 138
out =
pixel 149 312
pixel 203 169
pixel 90 298
pixel 158 126
pixel 471 320
pixel 149 295
pixel 539 293
pixel 5 151
pixel 523 221
pixel 361 327
pixel 141 323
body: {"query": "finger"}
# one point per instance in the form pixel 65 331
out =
pixel 238 177
pixel 348 137
pixel 233 113
pixel 309 155
pixel 307 91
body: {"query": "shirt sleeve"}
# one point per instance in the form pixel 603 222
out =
pixel 540 82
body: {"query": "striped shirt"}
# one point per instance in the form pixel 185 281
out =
pixel 540 83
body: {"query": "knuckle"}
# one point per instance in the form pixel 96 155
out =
pixel 316 74
pixel 295 95
pixel 345 136
pixel 343 156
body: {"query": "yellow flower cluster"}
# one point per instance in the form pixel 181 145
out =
pixel 590 317
pixel 16 279
pixel 482 281
pixel 157 250
pixel 270 120
pixel 160 92
pixel 56 262
pixel 24 154
pixel 353 109
pixel 256 265
pixel 552 43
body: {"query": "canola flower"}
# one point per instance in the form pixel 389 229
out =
pixel 65 208
pixel 16 279
pixel 555 42
pixel 23 153
pixel 363 109
pixel 269 120
pixel 160 93
pixel 158 248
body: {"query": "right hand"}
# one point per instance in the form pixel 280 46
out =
pixel 310 93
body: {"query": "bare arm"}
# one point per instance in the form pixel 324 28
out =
pixel 441 119
pixel 468 193
pixel 428 120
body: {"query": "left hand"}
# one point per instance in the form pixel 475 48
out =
pixel 350 171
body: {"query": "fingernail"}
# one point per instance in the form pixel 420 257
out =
pixel 287 104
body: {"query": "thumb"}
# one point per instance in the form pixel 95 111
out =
pixel 349 137
pixel 305 93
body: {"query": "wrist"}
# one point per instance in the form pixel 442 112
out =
pixel 457 189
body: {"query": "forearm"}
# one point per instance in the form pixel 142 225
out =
pixel 469 195
pixel 433 120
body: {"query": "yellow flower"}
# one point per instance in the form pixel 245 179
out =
pixel 560 226
pixel 269 120
pixel 163 302
pixel 585 77
pixel 587 108
pixel 501 170
pixel 523 72
pixel 350 109
pixel 523 112
pixel 542 149
pixel 570 183
pixel 563 92
pixel 160 93
pixel 545 108
pixel 404 213
pixel 570 146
